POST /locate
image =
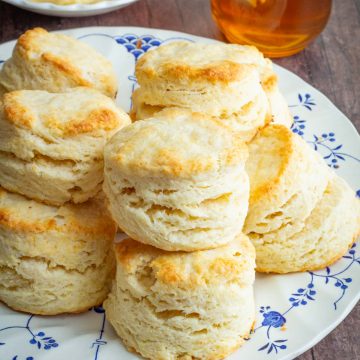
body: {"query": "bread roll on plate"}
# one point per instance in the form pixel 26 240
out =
pixel 54 260
pixel 287 179
pixel 176 305
pixel 280 113
pixel 212 79
pixel 177 181
pixel 56 62
pixel 51 145
pixel 318 241
pixel 215 79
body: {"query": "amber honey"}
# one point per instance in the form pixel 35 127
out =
pixel 277 27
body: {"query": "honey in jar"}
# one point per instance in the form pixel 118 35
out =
pixel 277 27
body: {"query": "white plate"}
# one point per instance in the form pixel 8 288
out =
pixel 293 311
pixel 75 10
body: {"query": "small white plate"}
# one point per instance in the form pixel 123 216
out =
pixel 75 10
pixel 294 311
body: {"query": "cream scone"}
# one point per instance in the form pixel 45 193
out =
pixel 216 79
pixel 203 78
pixel 54 259
pixel 318 241
pixel 287 179
pixel 247 121
pixel 55 62
pixel 177 181
pixel 51 145
pixel 176 305
pixel 278 106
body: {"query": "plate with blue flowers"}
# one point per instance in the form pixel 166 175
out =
pixel 294 311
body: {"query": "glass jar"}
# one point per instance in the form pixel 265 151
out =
pixel 277 27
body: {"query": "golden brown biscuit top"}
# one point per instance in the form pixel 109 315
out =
pixel 24 215
pixel 270 154
pixel 75 112
pixel 177 143
pixel 80 62
pixel 270 82
pixel 221 63
pixel 231 263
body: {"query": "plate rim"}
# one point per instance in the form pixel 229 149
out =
pixel 71 8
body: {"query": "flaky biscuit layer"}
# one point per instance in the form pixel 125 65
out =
pixel 54 259
pixel 177 182
pixel 203 299
pixel 55 62
pixel 317 241
pixel 51 145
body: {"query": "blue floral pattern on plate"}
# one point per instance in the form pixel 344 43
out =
pixel 99 341
pixel 326 142
pixel 138 45
pixel 306 101
pixel 39 339
pixel 303 296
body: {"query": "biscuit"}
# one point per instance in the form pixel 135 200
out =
pixel 140 110
pixel 203 78
pixel 247 121
pixel 55 62
pixel 54 259
pixel 278 106
pixel 176 305
pixel 287 179
pixel 318 241
pixel 216 79
pixel 51 145
pixel 177 181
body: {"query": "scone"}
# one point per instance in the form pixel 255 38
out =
pixel 180 305
pixel 318 241
pixel 55 62
pixel 287 179
pixel 54 259
pixel 177 181
pixel 204 78
pixel 278 106
pixel 215 79
pixel 51 145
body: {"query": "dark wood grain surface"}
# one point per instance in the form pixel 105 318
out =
pixel 331 64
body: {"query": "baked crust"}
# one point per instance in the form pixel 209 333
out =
pixel 55 62
pixel 195 151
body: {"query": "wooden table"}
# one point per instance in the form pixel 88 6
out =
pixel 331 64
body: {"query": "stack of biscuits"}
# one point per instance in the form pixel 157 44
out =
pixel 209 121
pixel 55 118
pixel 176 183
pixel 206 177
